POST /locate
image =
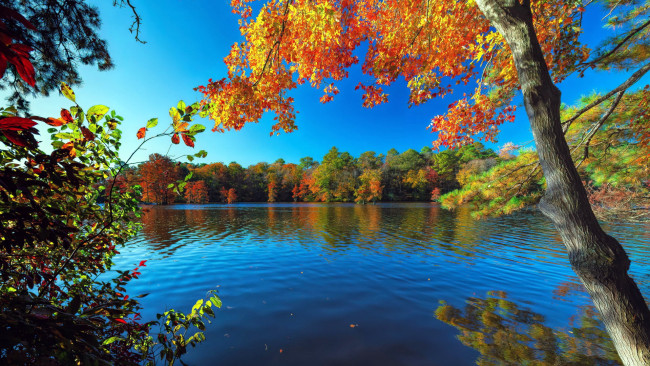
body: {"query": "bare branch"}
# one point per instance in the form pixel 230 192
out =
pixel 137 21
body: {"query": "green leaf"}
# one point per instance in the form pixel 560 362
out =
pixel 216 301
pixel 152 123
pixel 51 130
pixel 98 111
pixel 65 135
pixel 181 106
pixel 189 175
pixel 201 154
pixel 197 128
pixel 111 340
pixel 190 158
pixel 170 185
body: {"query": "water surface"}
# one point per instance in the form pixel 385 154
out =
pixel 386 284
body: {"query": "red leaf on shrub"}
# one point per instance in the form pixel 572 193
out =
pixel 24 67
pixel 14 137
pixel 120 321
pixel 142 263
pixel 188 140
pixel 66 116
pixel 141 133
pixel 175 138
pixel 10 13
pixel 16 123
pixel 87 134
pixel 3 64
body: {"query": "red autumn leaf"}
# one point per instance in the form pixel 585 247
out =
pixel 16 123
pixel 10 13
pixel 176 139
pixel 3 64
pixel 87 134
pixel 120 321
pixel 21 62
pixel 66 116
pixel 141 133
pixel 187 139
pixel 142 263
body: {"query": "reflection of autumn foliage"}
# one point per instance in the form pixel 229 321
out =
pixel 196 192
pixel 505 334
pixel 157 174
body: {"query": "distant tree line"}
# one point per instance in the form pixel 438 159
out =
pixel 339 177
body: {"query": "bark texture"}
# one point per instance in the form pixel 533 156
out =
pixel 598 259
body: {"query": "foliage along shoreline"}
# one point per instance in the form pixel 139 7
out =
pixel 471 174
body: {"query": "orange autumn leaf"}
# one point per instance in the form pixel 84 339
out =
pixel 141 132
pixel 56 122
pixel 72 152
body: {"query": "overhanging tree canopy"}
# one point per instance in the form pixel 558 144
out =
pixel 506 46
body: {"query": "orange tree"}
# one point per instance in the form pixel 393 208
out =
pixel 157 174
pixel 508 46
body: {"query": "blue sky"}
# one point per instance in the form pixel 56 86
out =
pixel 186 43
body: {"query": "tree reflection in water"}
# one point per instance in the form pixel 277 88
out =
pixel 505 334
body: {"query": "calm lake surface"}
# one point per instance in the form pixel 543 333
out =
pixel 386 284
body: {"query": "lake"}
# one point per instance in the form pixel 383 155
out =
pixel 385 284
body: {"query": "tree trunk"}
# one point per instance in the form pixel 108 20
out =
pixel 598 259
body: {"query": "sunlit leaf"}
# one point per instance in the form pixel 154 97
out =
pixel 67 92
pixel 97 111
pixel 152 123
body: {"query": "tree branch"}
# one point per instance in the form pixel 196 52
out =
pixel 624 86
pixel 632 33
